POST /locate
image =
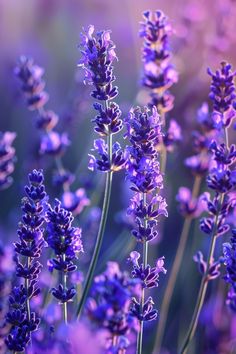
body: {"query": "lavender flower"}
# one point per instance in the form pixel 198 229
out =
pixel 52 142
pixel 7 158
pixel 144 132
pixel 28 249
pixel 159 73
pixel 109 305
pixel 222 88
pixel 189 206
pixel 222 180
pixel 65 241
pixel 98 54
pixel 7 269
pixel 229 250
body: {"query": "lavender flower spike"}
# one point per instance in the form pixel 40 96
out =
pixel 109 305
pixel 28 249
pixel 221 180
pixel 65 241
pixel 52 142
pixel 98 55
pixel 144 132
pixel 159 75
pixel 7 158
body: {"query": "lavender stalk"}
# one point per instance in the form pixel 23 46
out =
pixel 144 132
pixel 190 203
pixel 29 248
pixel 222 180
pixel 52 143
pixel 159 73
pixel 97 56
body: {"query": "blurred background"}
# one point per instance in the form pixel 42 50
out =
pixel 49 31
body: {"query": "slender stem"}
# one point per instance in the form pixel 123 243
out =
pixel 174 271
pixel 27 291
pixel 145 261
pixel 100 235
pixel 226 137
pixel 114 340
pixel 64 279
pixel 203 286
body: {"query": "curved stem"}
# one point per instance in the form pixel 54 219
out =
pixel 145 260
pixel 174 271
pixel 100 235
pixel 203 286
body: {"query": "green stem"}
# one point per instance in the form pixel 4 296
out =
pixel 203 286
pixel 145 260
pixel 64 279
pixel 174 272
pixel 101 231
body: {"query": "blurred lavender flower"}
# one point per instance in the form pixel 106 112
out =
pixel 189 206
pixel 229 250
pixel 65 240
pixel 159 73
pixel 29 248
pixel 52 142
pixel 7 158
pixel 6 275
pixel 109 305
pixel 147 205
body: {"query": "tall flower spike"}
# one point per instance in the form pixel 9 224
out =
pixel 109 305
pixel 7 158
pixel 28 249
pixel 52 142
pixel 98 54
pixel 65 241
pixel 221 180
pixel 159 74
pixel 144 132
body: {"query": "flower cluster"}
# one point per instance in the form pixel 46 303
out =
pixel 147 205
pixel 33 86
pixel 222 174
pixel 223 89
pixel 65 241
pixel 199 163
pixel 28 249
pixel 7 158
pixel 109 305
pixel 159 74
pixel 52 142
pixel 229 250
pixel 98 54
pixel 148 277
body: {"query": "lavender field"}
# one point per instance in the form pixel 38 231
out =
pixel 117 177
